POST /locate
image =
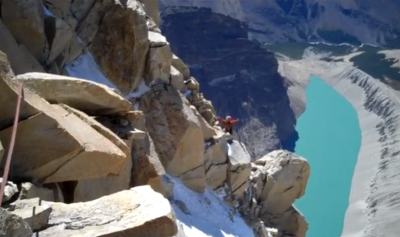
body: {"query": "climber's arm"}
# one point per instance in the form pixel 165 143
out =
pixel 234 121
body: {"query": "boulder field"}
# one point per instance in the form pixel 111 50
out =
pixel 109 113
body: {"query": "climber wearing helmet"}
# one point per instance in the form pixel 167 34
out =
pixel 228 123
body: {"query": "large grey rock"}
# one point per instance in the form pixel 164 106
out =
pixel 208 131
pixel 20 59
pixel 9 97
pixel 180 66
pixel 53 145
pixel 9 190
pixel 136 212
pixel 30 210
pixel 152 10
pixel 88 96
pixel 62 36
pixel 216 162
pixel 100 128
pixel 176 79
pixel 121 43
pixel 284 176
pixel 91 189
pixel 29 191
pixel 12 225
pixel 290 223
pixel 147 167
pixel 158 65
pixel 25 20
pixel 81 8
pixel 66 149
pixel 177 135
pixel 239 168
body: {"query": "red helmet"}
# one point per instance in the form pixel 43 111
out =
pixel 228 117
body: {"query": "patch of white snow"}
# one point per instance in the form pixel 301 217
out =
pixel 141 90
pixel 221 192
pixel 85 67
pixel 194 66
pixel 209 216
pixel 229 149
pixel 187 93
pixel 207 145
pixel 218 80
pixel 47 12
pixel 136 106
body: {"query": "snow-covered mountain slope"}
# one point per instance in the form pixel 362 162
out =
pixel 205 215
pixel 352 21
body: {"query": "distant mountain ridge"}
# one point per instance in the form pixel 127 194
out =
pixel 274 21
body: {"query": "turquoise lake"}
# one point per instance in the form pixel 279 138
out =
pixel 330 139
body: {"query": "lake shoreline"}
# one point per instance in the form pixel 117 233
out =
pixel 361 218
pixel 329 133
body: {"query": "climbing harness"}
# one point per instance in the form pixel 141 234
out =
pixel 12 142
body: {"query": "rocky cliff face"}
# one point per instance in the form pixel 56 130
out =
pixel 270 21
pixel 236 74
pixel 114 137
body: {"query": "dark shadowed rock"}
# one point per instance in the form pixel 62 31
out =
pixel 121 43
pixel 235 73
pixel 12 225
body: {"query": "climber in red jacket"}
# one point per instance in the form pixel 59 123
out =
pixel 228 123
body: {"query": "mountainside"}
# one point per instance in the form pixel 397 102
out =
pixel 367 76
pixel 352 21
pixel 114 137
pixel 239 76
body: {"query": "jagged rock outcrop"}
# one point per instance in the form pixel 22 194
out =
pixel 121 43
pixel 285 177
pixel 177 134
pixel 152 10
pixel 216 161
pixel 158 62
pixel 89 97
pixel 25 21
pixel 36 216
pixel 20 58
pixel 12 225
pixel 133 212
pixel 227 63
pixel 76 147
pixel 180 66
pixel 239 169
pixel 276 181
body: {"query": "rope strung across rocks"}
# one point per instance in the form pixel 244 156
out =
pixel 12 142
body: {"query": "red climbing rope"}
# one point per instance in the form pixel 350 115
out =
pixel 12 142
